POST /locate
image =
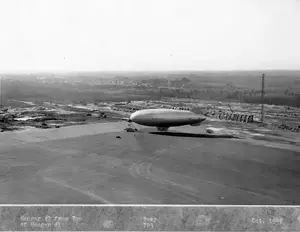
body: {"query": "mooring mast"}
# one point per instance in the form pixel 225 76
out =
pixel 262 96
pixel 1 92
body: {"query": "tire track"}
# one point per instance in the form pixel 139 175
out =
pixel 84 192
pixel 220 185
pixel 136 171
pixel 142 169
pixel 185 194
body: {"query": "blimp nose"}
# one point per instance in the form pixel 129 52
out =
pixel 133 117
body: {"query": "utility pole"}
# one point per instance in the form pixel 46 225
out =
pixel 1 92
pixel 262 96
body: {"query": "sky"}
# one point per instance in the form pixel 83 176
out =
pixel 96 35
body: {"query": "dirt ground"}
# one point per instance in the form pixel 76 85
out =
pixel 88 164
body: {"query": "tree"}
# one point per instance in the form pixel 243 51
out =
pixel 186 80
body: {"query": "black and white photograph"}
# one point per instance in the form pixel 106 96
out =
pixel 155 102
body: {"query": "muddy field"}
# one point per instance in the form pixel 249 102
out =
pixel 49 115
pixel 89 164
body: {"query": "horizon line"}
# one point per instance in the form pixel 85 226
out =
pixel 28 72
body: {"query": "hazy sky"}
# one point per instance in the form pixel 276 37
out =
pixel 59 35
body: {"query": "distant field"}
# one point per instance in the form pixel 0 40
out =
pixel 282 87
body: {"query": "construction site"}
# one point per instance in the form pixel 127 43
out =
pixel 53 115
pixel 82 153
pixel 150 103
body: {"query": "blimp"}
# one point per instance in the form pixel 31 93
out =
pixel 163 119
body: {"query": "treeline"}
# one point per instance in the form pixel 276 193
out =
pixel 67 94
pixel 275 100
pixel 293 100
